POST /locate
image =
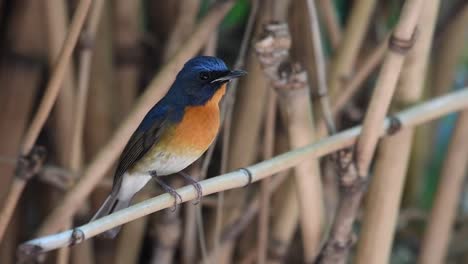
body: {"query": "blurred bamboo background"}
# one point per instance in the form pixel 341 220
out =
pixel 76 77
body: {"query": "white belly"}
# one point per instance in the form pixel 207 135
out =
pixel 166 163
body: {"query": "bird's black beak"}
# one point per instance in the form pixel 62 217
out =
pixel 229 76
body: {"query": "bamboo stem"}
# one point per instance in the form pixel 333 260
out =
pixel 411 117
pixel 332 24
pixel 20 83
pixel 291 84
pixel 380 217
pixel 104 159
pixel 57 25
pixel 448 53
pixel 320 66
pixel 442 217
pixel 344 61
pixel 45 106
pixel 265 186
pixel 357 164
pixel 58 76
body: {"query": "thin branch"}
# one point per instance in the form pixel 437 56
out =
pixel 86 54
pixel 58 75
pixel 265 186
pixel 344 61
pixel 227 115
pixel 332 23
pixel 158 86
pixel 380 217
pixel 53 87
pixel 320 67
pixel 411 117
pixel 356 164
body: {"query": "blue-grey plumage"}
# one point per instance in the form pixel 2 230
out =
pixel 174 133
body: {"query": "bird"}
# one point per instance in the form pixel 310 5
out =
pixel 175 132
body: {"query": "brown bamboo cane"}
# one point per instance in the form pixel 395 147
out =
pixel 355 175
pixel 439 228
pixel 45 107
pixel 292 87
pixel 20 75
pixel 343 62
pixel 382 207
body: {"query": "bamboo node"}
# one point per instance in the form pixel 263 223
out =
pixel 28 61
pixel 86 41
pixel 402 46
pixel 394 126
pixel 76 237
pixel 277 250
pixel 128 55
pixel 249 175
pixel 28 252
pixel 30 164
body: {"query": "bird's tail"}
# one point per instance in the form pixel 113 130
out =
pixel 110 205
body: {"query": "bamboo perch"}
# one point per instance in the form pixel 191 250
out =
pixel 411 117
pixel 291 84
pixel 53 87
pixel 386 188
pixel 105 158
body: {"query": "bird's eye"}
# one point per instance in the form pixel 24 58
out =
pixel 204 76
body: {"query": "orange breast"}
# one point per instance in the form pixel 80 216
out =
pixel 198 127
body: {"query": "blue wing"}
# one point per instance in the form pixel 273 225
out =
pixel 145 136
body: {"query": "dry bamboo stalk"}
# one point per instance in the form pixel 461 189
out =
pixel 57 25
pixel 386 188
pixel 99 116
pixel 265 186
pixel 127 37
pixel 402 39
pixel 168 225
pixel 370 63
pixel 291 84
pixel 128 249
pixel 229 120
pixel 332 24
pixel 320 66
pixel 243 149
pixel 344 61
pixel 183 27
pixel 352 181
pixel 240 139
pixel 189 239
pixel 97 168
pixel 439 228
pixel 83 253
pixel 167 232
pixel 284 222
pixel 20 81
pixel 449 52
pixel 128 51
pixel 414 116
pixel 45 106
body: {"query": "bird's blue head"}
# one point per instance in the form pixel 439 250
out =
pixel 199 79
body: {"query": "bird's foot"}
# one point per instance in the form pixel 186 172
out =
pixel 195 185
pixel 169 190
